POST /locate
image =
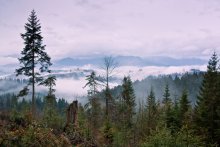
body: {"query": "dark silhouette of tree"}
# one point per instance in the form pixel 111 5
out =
pixel 92 83
pixel 208 106
pixel 49 82
pixel 167 107
pixel 34 59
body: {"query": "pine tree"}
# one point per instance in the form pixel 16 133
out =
pixel 207 116
pixel 51 116
pixel 34 59
pixel 151 102
pixel 128 97
pixel 184 106
pixel 175 115
pixel 92 83
pixel 167 106
pixel 166 95
pixel 50 82
pixel 151 111
pixel 93 105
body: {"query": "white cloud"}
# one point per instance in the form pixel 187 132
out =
pixel 139 73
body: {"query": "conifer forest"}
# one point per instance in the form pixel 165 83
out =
pixel 163 110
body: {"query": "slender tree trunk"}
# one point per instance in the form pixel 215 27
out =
pixel 107 93
pixel 50 90
pixel 33 88
pixel 212 121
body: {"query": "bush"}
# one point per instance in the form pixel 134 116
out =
pixel 31 136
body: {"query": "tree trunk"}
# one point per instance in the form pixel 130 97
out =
pixel 107 93
pixel 33 88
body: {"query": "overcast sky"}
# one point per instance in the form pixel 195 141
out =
pixel 177 28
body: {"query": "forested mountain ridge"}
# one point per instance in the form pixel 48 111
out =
pixel 177 83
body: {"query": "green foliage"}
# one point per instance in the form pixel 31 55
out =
pixel 167 108
pixel 108 133
pixel 128 101
pixel 184 107
pixel 166 95
pixel 93 107
pixel 187 138
pixel 123 138
pixel 151 112
pixel 83 122
pixel 141 127
pixel 163 137
pixel 207 114
pixel 49 82
pixel 33 135
pixel 160 138
pixel 52 119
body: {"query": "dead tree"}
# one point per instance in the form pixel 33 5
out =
pixel 109 66
pixel 72 113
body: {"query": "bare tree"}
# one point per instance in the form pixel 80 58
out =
pixel 109 66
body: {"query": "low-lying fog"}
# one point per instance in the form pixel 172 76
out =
pixel 71 86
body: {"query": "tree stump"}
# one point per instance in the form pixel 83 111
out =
pixel 72 113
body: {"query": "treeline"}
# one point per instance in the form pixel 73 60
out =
pixel 177 82
pixel 11 85
pixel 10 101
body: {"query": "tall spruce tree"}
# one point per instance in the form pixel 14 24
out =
pixel 208 106
pixel 128 97
pixel 34 59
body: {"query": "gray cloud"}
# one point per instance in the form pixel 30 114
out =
pixel 126 27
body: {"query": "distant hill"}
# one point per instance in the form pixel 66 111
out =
pixel 121 60
pixel 132 61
